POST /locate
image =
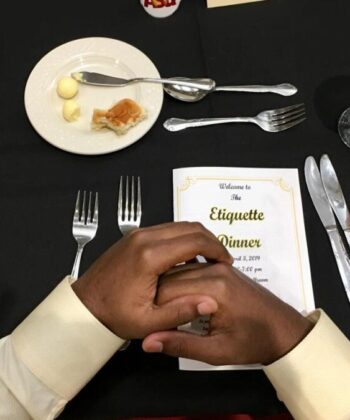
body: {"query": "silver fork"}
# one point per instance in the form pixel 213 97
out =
pixel 84 227
pixel 274 120
pixel 129 216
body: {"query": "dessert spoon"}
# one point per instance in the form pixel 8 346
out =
pixel 193 94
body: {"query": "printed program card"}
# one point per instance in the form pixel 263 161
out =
pixel 257 214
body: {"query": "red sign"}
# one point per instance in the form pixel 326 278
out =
pixel 160 8
pixel 160 3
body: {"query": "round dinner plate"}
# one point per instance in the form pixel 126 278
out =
pixel 102 55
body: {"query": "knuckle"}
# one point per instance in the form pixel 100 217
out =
pixel 220 285
pixel 197 226
pixel 223 270
pixel 179 348
pixel 184 223
pixel 199 239
pixel 181 314
pixel 184 226
pixel 137 236
pixel 146 254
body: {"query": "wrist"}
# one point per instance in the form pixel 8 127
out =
pixel 99 301
pixel 287 334
pixel 89 297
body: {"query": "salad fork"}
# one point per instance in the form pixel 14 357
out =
pixel 84 227
pixel 274 120
pixel 129 216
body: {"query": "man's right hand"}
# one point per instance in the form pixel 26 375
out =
pixel 250 326
pixel 120 288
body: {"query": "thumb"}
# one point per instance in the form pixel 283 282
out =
pixel 182 344
pixel 181 311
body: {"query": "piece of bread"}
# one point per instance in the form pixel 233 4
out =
pixel 120 117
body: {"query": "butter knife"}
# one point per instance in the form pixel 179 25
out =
pixel 335 194
pixel 324 210
pixel 99 79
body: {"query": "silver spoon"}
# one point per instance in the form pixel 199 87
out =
pixel 190 94
pixel 344 127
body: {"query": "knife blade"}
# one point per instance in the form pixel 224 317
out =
pixel 324 210
pixel 99 79
pixel 335 194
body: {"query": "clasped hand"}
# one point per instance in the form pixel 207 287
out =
pixel 134 290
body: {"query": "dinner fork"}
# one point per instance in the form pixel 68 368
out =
pixel 129 216
pixel 274 120
pixel 84 227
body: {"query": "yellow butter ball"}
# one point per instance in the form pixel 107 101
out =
pixel 71 110
pixel 67 87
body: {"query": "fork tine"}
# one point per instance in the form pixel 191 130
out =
pixel 287 119
pixel 120 200
pixel 138 205
pixel 77 206
pixel 289 114
pixel 127 212
pixel 95 215
pixel 289 125
pixel 82 219
pixel 132 213
pixel 280 111
pixel 88 219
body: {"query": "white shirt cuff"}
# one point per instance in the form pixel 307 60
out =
pixel 313 380
pixel 62 343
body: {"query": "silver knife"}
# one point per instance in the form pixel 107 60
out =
pixel 324 210
pixel 335 195
pixel 99 79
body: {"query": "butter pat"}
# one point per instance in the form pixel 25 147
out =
pixel 218 3
pixel 67 87
pixel 71 110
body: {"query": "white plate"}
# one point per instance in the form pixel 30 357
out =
pixel 103 55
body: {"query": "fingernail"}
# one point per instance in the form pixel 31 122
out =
pixel 206 308
pixel 155 347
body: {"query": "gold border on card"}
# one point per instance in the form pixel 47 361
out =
pixel 279 182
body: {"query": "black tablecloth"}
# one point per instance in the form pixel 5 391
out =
pixel 303 42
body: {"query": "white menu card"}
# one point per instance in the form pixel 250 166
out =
pixel 219 3
pixel 257 214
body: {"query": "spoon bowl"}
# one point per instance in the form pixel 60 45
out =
pixel 186 93
pixel 344 127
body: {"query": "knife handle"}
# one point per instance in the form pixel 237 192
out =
pixel 347 235
pixel 341 257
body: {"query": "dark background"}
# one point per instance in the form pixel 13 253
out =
pixel 302 42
